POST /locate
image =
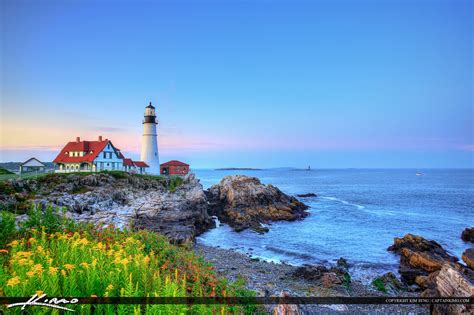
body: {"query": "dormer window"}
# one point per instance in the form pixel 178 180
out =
pixel 66 153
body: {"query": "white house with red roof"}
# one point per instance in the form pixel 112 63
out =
pixel 94 156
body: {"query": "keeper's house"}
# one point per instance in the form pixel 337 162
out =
pixel 93 156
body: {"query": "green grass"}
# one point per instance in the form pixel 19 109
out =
pixel 24 175
pixel 59 257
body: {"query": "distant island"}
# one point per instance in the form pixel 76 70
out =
pixel 238 169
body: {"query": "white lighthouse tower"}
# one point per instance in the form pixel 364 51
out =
pixel 149 153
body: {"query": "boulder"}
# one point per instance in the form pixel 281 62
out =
pixel 310 272
pixel 468 235
pixel 468 257
pixel 244 202
pixel 419 257
pixel 451 281
pixel 330 279
pixel 286 309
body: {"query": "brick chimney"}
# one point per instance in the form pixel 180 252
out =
pixel 78 139
pixel 100 138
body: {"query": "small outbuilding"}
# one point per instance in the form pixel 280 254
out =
pixel 174 168
pixel 32 165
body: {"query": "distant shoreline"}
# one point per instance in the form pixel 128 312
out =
pixel 238 169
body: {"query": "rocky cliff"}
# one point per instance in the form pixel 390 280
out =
pixel 244 202
pixel 177 210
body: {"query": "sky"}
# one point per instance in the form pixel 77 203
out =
pixel 331 84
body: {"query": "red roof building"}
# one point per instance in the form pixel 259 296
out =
pixel 92 156
pixel 174 168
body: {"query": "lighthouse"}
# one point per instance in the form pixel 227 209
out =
pixel 149 153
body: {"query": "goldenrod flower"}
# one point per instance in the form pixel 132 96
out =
pixel 85 265
pixel 38 268
pixel 53 270
pixel 68 266
pixel 13 281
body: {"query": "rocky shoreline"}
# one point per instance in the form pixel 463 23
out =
pixel 271 279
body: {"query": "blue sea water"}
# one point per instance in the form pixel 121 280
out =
pixel 356 215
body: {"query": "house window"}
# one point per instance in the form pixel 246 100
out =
pixel 105 155
pixel 110 155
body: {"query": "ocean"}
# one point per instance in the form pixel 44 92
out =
pixel 356 215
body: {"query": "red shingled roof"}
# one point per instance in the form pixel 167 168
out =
pixel 127 162
pixel 174 163
pixel 91 149
pixel 140 164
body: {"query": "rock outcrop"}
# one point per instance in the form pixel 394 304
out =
pixel 122 199
pixel 451 281
pixel 468 235
pixel 244 202
pixel 419 257
pixel 468 257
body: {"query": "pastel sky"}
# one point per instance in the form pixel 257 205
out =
pixel 243 83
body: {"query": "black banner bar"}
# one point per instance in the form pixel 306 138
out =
pixel 254 300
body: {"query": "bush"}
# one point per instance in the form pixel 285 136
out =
pixel 7 227
pixel 51 219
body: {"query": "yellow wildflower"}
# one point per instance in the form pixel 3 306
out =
pixel 53 270
pixel 13 281
pixel 63 272
pixel 39 292
pixel 110 287
pixel 30 273
pixel 85 265
pixel 100 245
pixel 68 266
pixel 124 261
pixel 23 254
pixel 25 261
pixel 32 240
pixel 13 243
pixel 83 241
pixel 40 249
pixel 146 260
pixel 94 262
pixel 38 268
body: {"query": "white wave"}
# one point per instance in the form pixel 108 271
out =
pixel 344 202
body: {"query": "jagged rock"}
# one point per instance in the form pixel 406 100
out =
pixel 244 202
pixel 468 235
pixel 286 309
pixel 181 215
pixel 419 257
pixel 391 282
pixel 342 263
pixel 330 279
pixel 451 281
pixel 306 195
pixel 468 257
pixel 310 272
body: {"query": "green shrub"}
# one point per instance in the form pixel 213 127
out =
pixel 379 285
pixel 51 219
pixel 5 172
pixel 7 227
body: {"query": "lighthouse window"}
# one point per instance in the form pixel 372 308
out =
pixel 156 154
